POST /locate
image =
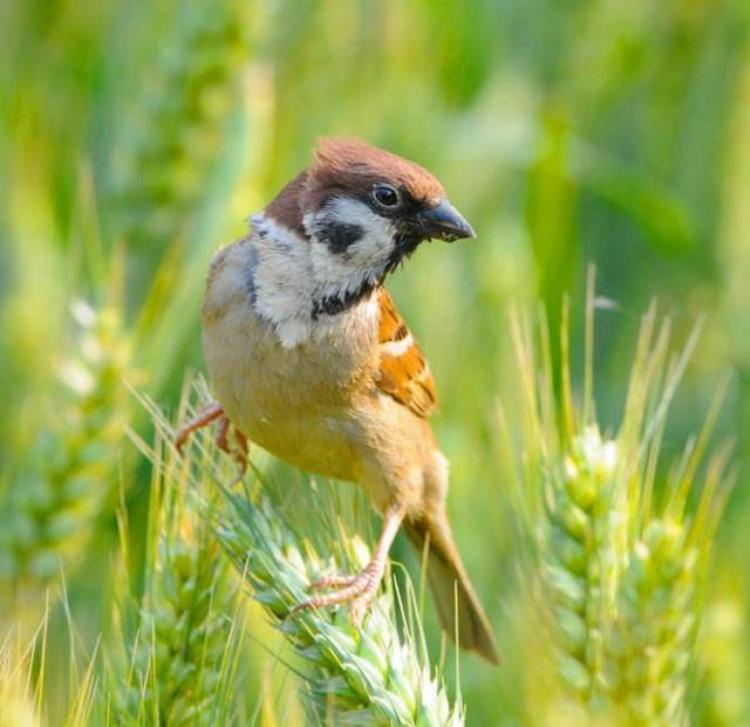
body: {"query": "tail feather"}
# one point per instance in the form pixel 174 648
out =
pixel 461 614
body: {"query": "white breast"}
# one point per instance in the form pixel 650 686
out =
pixel 258 306
pixel 290 384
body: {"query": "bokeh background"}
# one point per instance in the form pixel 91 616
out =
pixel 136 137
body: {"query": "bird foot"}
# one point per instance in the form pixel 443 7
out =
pixel 357 590
pixel 215 412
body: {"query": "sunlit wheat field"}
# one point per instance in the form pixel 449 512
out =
pixel 591 350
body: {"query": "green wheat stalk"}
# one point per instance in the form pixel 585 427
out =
pixel 370 673
pixel 190 93
pixel 179 662
pixel 620 568
pixel 49 505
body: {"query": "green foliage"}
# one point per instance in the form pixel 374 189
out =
pixel 23 694
pixel 622 577
pixel 135 138
pixel 50 503
pixel 368 674
pixel 177 663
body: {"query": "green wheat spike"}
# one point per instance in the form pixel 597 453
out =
pixel 621 568
pixel 49 506
pixel 178 664
pixel 179 132
pixel 367 674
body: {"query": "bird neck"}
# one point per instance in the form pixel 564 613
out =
pixel 297 284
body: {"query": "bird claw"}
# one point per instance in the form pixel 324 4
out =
pixel 357 590
pixel 215 412
pixel 222 435
pixel 332 581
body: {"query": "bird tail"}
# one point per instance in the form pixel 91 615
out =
pixel 461 613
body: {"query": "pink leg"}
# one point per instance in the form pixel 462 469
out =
pixel 210 413
pixel 241 452
pixel 222 441
pixel 358 589
pixel 332 581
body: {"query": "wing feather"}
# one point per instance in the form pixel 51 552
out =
pixel 404 372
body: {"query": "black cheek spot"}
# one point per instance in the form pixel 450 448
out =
pixel 338 236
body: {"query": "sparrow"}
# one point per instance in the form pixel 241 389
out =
pixel 311 360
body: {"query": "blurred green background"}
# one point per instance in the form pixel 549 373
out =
pixel 136 137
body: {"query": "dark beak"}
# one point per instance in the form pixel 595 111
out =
pixel 445 222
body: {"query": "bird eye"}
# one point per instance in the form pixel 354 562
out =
pixel 386 195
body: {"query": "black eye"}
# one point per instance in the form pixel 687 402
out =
pixel 386 195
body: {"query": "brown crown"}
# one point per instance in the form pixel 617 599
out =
pixel 354 166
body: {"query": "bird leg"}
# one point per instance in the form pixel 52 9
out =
pixel 222 439
pixel 211 413
pixel 357 589
pixel 241 452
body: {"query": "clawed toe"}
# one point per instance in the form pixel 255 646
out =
pixel 240 454
pixel 215 412
pixel 357 590
pixel 222 435
pixel 332 581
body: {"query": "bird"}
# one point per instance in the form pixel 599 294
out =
pixel 311 360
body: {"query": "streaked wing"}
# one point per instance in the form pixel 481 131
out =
pixel 404 373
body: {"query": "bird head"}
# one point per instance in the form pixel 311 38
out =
pixel 363 210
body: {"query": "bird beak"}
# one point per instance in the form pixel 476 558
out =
pixel 445 222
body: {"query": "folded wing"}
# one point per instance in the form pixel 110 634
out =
pixel 404 372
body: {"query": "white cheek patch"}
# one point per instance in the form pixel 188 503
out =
pixel 377 241
pixel 342 271
pixel 288 274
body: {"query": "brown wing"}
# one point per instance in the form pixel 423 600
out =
pixel 404 373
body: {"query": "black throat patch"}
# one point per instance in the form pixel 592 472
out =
pixel 405 246
pixel 338 303
pixel 334 304
pixel 338 237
